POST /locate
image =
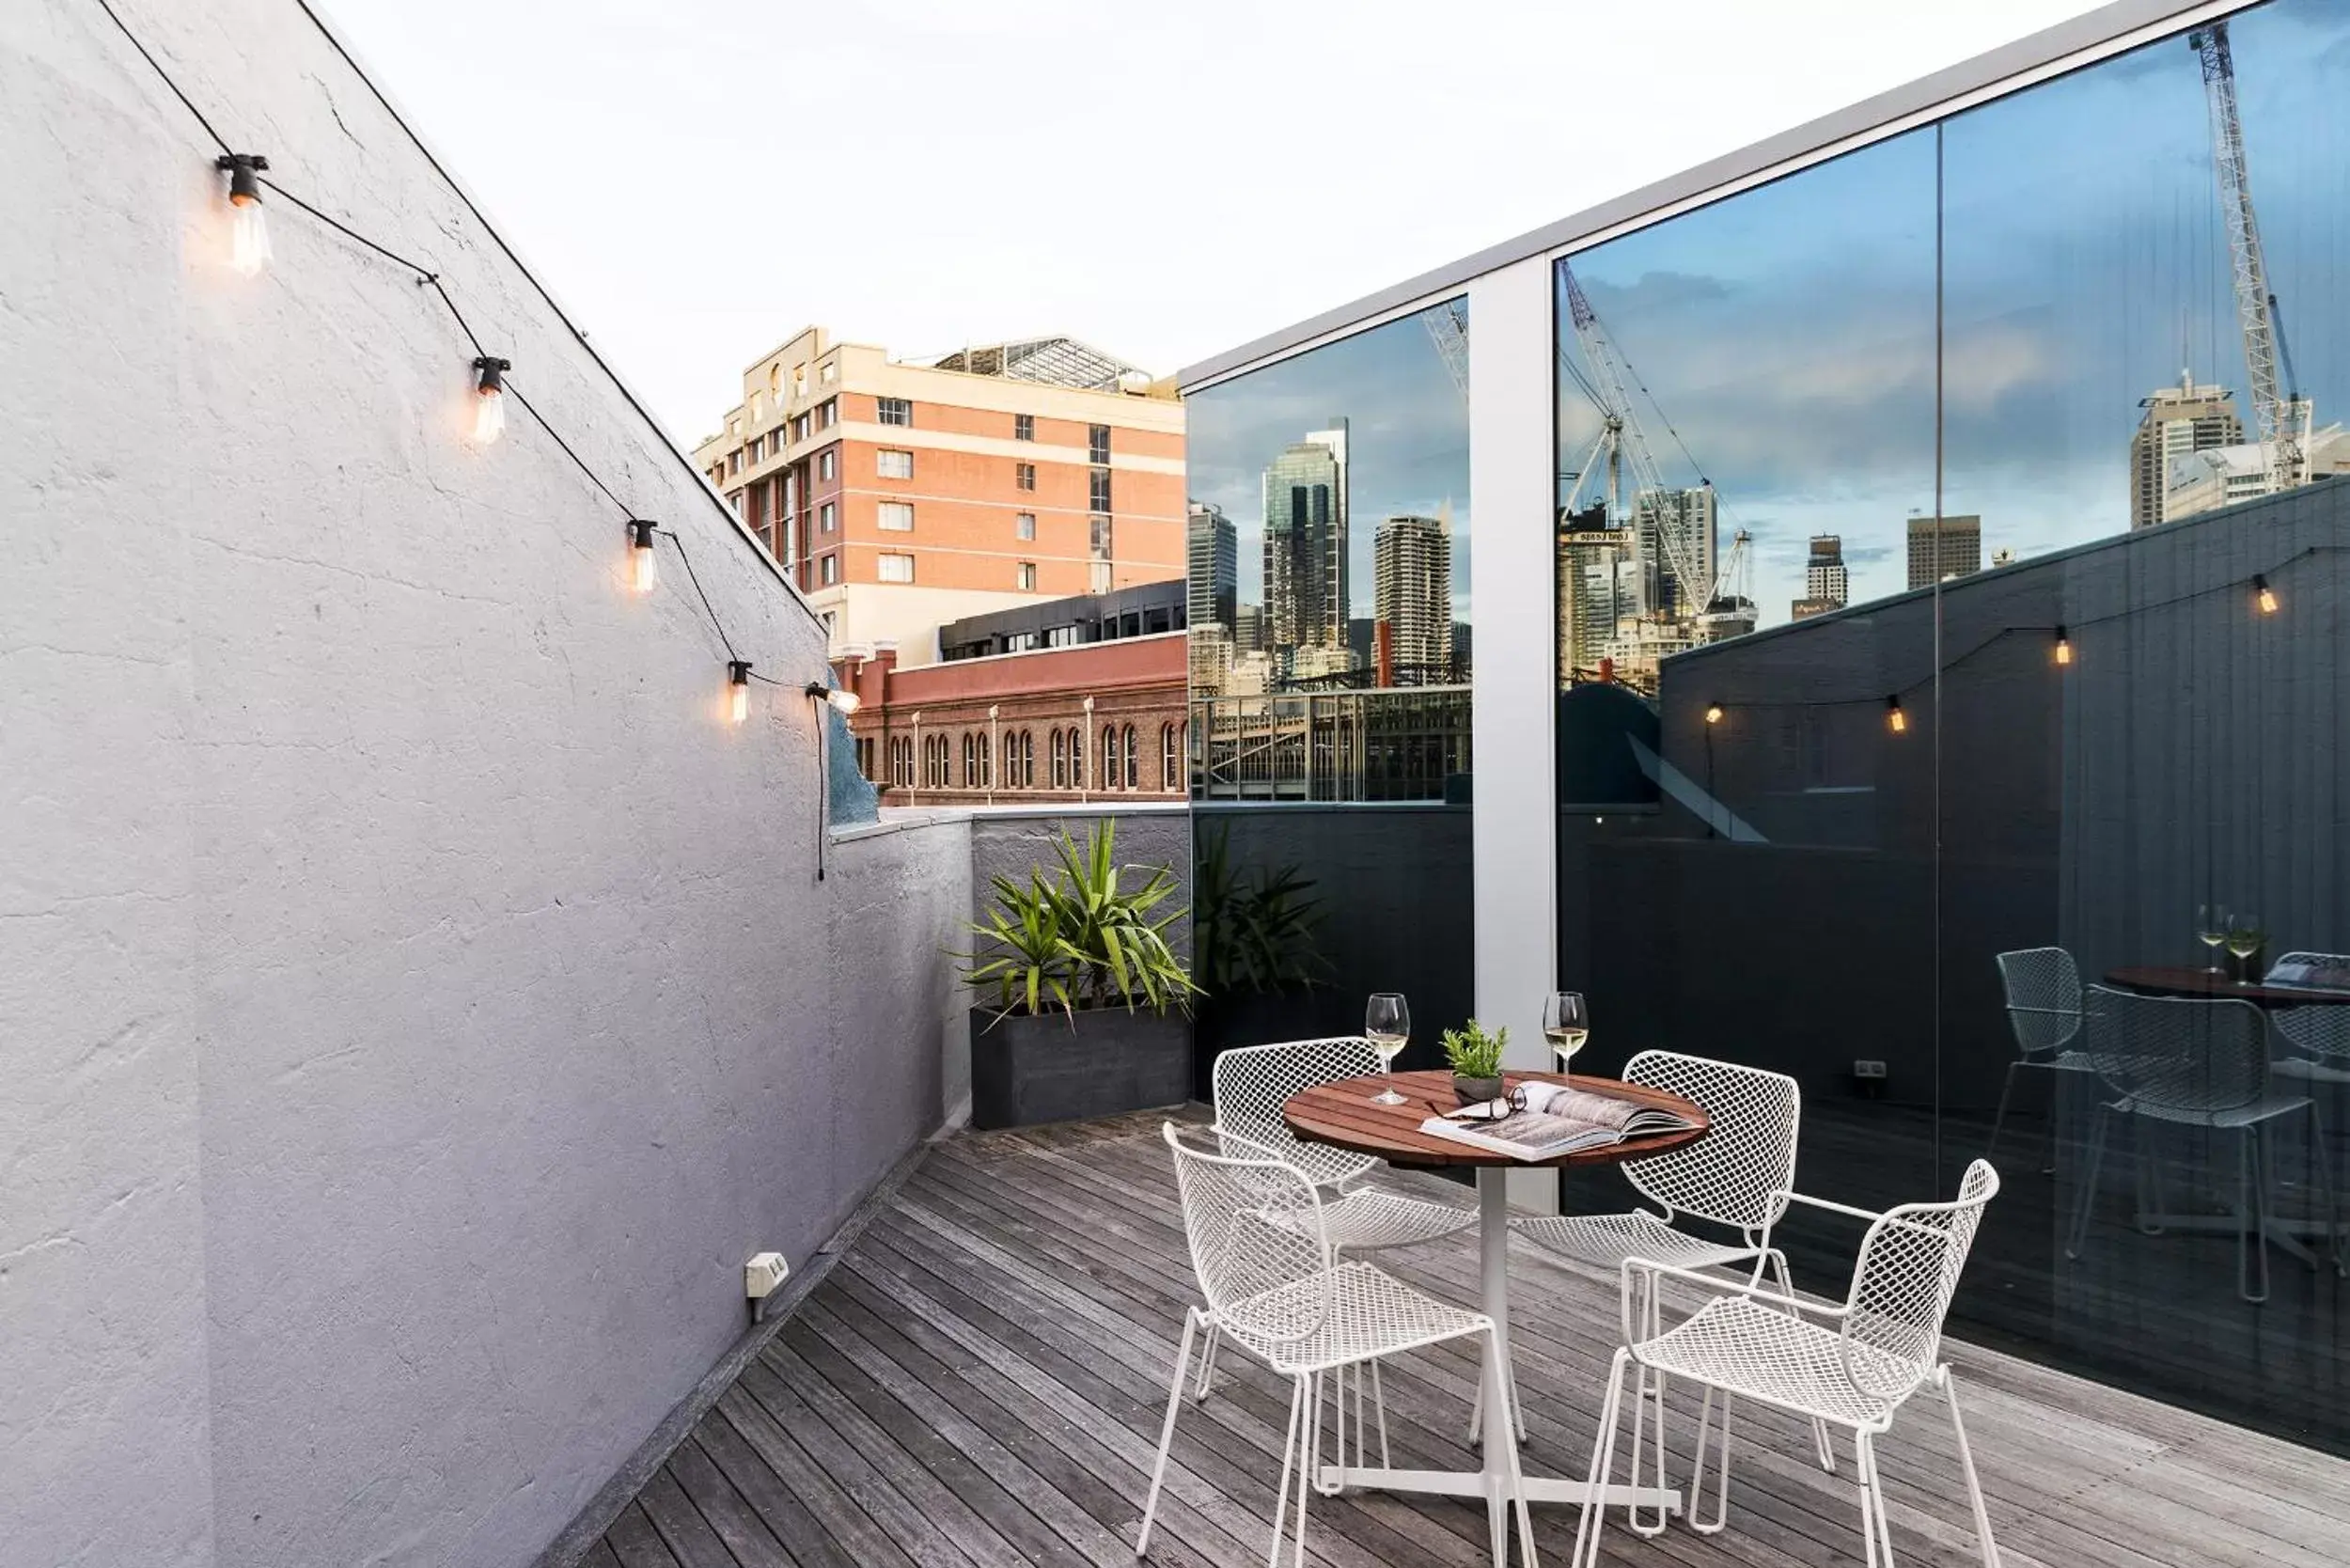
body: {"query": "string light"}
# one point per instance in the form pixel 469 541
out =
pixel 848 702
pixel 248 225
pixel 489 411
pixel 1895 719
pixel 2063 647
pixel 2264 596
pixel 1713 713
pixel 644 567
pixel 738 690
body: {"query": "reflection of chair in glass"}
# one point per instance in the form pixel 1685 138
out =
pixel 2319 1032
pixel 1853 1365
pixel 2188 1062
pixel 1276 1290
pixel 1252 1083
pixel 1731 1177
pixel 2043 1007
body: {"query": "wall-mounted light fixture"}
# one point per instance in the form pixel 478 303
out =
pixel 2263 596
pixel 1895 719
pixel 249 226
pixel 738 690
pixel 1713 713
pixel 489 412
pixel 644 566
pixel 2063 647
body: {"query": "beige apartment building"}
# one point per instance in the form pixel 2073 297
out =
pixel 902 497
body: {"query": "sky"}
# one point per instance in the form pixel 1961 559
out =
pixel 697 180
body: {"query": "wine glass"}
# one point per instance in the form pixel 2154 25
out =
pixel 2244 940
pixel 1388 1023
pixel 2211 928
pixel 1566 1024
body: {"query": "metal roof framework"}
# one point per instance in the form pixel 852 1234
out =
pixel 1053 361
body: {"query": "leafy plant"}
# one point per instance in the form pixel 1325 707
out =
pixel 1082 939
pixel 1253 930
pixel 1473 1051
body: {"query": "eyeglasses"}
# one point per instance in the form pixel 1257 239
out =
pixel 1509 1104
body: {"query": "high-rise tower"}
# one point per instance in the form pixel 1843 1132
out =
pixel 1411 559
pixel 2178 421
pixel 1305 542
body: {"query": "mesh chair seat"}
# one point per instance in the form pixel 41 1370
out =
pixel 1605 1241
pixel 1741 1345
pixel 1370 1313
pixel 2266 1109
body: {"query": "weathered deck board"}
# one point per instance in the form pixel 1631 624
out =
pixel 980 1381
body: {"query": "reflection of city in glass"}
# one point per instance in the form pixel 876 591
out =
pixel 1329 570
pixel 2141 322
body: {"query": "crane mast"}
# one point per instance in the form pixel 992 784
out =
pixel 1622 442
pixel 1447 327
pixel 2278 416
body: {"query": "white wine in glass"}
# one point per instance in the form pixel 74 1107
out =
pixel 2211 928
pixel 1566 1024
pixel 1388 1023
pixel 2244 940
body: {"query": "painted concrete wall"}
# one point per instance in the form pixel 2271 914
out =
pixel 416 1002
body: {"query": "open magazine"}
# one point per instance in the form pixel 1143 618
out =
pixel 2309 975
pixel 1554 1120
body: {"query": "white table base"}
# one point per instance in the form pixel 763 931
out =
pixel 1492 1483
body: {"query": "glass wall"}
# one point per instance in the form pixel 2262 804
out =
pixel 1330 650
pixel 1952 565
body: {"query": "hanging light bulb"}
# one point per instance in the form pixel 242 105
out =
pixel 2264 596
pixel 248 225
pixel 1895 719
pixel 848 702
pixel 644 567
pixel 1713 713
pixel 738 690
pixel 488 412
pixel 2063 647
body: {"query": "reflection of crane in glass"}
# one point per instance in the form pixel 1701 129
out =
pixel 1448 324
pixel 1621 442
pixel 2282 414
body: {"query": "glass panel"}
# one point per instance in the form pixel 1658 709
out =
pixel 2108 387
pixel 1328 616
pixel 1745 433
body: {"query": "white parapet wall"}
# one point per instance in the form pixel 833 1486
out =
pixel 416 1000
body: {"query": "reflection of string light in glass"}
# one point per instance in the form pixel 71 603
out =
pixel 1713 713
pixel 2263 596
pixel 2063 647
pixel 738 690
pixel 1895 720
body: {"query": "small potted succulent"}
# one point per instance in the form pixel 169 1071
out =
pixel 1476 1058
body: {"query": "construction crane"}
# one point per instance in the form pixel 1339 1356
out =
pixel 2279 414
pixel 1448 324
pixel 1620 442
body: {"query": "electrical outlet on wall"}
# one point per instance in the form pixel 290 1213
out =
pixel 764 1274
pixel 1865 1067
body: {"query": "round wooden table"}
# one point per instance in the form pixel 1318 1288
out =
pixel 1344 1114
pixel 2207 982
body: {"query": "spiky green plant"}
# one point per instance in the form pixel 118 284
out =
pixel 1081 939
pixel 1254 928
pixel 1473 1051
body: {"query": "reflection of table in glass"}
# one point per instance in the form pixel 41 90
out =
pixel 2158 982
pixel 1344 1115
pixel 2210 985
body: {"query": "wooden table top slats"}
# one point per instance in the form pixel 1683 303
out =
pixel 978 1383
pixel 2164 981
pixel 1344 1114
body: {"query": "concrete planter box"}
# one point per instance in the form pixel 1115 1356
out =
pixel 1025 1071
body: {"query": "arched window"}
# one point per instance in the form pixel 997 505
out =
pixel 1109 756
pixel 970 760
pixel 1060 758
pixel 1134 761
pixel 1166 758
pixel 986 777
pixel 1027 759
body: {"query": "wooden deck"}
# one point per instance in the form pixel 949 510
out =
pixel 979 1381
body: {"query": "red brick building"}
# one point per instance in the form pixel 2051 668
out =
pixel 1084 722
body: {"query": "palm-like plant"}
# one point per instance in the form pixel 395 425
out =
pixel 1255 928
pixel 1083 939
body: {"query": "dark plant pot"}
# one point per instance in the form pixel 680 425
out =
pixel 1470 1090
pixel 1027 1071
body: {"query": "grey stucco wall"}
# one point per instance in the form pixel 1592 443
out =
pixel 416 1003
pixel 1007 843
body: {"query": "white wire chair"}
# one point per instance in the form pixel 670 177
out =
pixel 1252 1083
pixel 1729 1179
pixel 2186 1061
pixel 1276 1289
pixel 1854 1364
pixel 2320 1032
pixel 2044 1009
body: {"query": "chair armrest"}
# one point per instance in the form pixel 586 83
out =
pixel 1785 1196
pixel 1721 1289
